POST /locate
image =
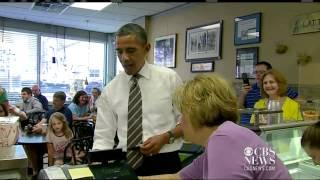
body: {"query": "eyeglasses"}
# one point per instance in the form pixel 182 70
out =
pixel 259 72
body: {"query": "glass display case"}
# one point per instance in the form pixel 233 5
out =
pixel 285 139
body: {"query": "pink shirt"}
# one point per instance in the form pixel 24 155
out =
pixel 235 152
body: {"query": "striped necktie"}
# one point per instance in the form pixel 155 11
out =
pixel 134 134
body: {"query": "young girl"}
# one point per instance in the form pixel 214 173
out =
pixel 58 136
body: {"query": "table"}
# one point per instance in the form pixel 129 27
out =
pixel 35 147
pixel 13 162
pixel 31 138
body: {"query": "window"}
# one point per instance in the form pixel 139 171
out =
pixel 18 62
pixel 119 67
pixel 70 65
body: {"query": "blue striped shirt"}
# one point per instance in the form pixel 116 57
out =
pixel 254 95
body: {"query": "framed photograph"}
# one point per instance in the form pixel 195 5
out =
pixel 202 66
pixel 165 51
pixel 247 29
pixel 204 42
pixel 246 59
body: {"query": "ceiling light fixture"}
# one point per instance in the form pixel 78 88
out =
pixel 97 6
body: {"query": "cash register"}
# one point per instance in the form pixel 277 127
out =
pixel 103 164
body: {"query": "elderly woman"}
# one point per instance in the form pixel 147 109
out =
pixel 274 87
pixel 209 114
pixel 310 142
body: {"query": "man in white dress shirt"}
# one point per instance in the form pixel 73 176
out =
pixel 161 131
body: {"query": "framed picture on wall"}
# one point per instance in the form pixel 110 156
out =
pixel 247 29
pixel 246 59
pixel 202 66
pixel 165 51
pixel 204 42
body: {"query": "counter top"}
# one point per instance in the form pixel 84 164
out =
pixel 13 157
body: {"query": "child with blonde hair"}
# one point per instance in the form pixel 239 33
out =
pixel 58 136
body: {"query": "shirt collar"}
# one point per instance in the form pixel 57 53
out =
pixel 145 71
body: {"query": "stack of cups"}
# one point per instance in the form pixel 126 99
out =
pixel 274 118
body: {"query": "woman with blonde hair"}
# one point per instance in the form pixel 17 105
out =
pixel 310 142
pixel 209 118
pixel 274 87
pixel 58 136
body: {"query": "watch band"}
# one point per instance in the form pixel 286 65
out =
pixel 171 137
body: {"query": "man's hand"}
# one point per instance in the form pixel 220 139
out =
pixel 14 110
pixel 37 129
pixel 153 144
pixel 245 89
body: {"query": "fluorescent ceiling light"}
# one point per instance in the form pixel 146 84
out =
pixel 98 6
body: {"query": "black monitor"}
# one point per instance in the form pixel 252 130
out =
pixel 113 166
pixel 106 155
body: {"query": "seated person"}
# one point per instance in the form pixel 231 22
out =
pixel 310 142
pixel 3 103
pixel 95 94
pixel 58 136
pixel 4 97
pixel 37 94
pixel 274 87
pixel 59 98
pixel 3 110
pixel 251 94
pixel 30 106
pixel 209 115
pixel 80 106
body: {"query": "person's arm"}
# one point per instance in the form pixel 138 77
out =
pixel 77 118
pixel 291 93
pixel 16 111
pixel 45 103
pixel 242 96
pixel 37 107
pixel 106 124
pixel 50 154
pixel 38 127
pixel 162 176
pixel 153 144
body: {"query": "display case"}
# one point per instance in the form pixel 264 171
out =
pixel 285 139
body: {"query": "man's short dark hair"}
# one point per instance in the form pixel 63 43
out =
pixel 133 29
pixel 97 89
pixel 268 65
pixel 60 95
pixel 27 90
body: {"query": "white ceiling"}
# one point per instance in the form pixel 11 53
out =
pixel 107 20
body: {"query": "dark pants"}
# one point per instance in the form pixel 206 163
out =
pixel 163 163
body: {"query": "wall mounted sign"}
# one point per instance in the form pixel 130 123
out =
pixel 306 23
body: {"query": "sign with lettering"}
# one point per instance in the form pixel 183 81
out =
pixel 306 23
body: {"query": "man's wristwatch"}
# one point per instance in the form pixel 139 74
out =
pixel 171 137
